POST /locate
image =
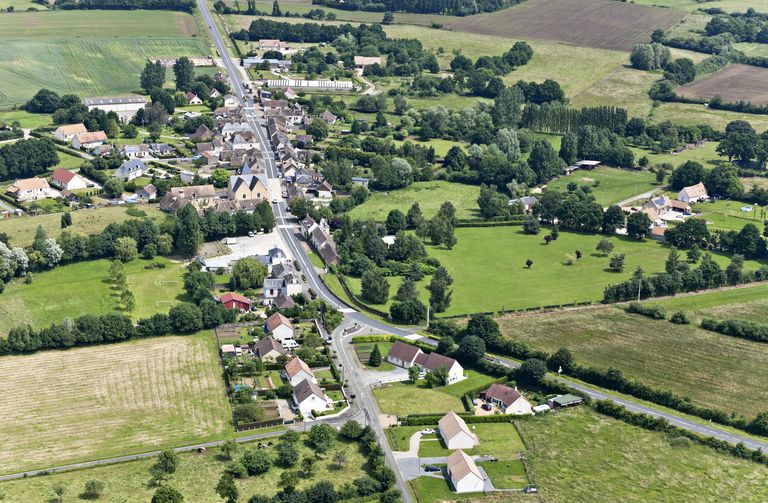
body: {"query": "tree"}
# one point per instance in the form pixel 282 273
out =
pixel 406 290
pixel 439 296
pixel 687 174
pixel 436 377
pixel 167 494
pixel 531 225
pixel 471 349
pixel 374 360
pixel 247 273
pixel 229 449
pixel 694 254
pixel 389 18
pixel 113 187
pixel 491 203
pixel 562 359
pixel 613 219
pixel 256 461
pixel 569 148
pixel 687 233
pixel 396 222
pixel 661 175
pixel 128 300
pixel 288 481
pixel 166 464
pixel 605 246
pixel 544 161
pixel 374 287
pixel 413 373
pixel 483 326
pixel 410 312
pixel 93 489
pixel 189 236
pixel 318 129
pixel 351 430
pixel 153 76
pixel 184 72
pixel 66 219
pixel 226 488
pixel 308 466
pixel 44 101
pixel 185 318
pixel 248 413
pixel 639 225
pixel 723 181
pixel 617 262
pixel 58 490
pixel 126 249
pixel 322 437
pixel 673 262
pixel 532 371
pixel 445 345
pixel 339 459
pixel 276 11
pixel 528 263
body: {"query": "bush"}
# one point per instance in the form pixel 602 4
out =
pixel 737 328
pixel 655 312
pixel 248 413
pixel 679 318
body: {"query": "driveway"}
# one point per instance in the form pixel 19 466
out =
pixel 247 246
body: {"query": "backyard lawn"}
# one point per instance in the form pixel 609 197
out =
pixel 506 474
pixel 73 290
pixel 363 351
pixel 609 185
pixel 496 439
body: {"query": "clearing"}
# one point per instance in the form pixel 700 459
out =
pixel 592 23
pixel 714 370
pixel 608 185
pixel 113 399
pixel 83 288
pixel 733 83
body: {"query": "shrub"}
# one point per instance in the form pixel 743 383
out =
pixel 679 318
pixel 655 312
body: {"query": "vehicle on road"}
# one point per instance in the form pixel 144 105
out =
pixel 274 200
pixel 530 490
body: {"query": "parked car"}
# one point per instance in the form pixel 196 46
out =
pixel 486 406
pixel 431 468
pixel 530 489
pixel 427 431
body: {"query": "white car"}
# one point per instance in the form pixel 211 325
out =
pixel 274 200
pixel 427 431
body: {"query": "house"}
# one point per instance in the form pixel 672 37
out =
pixel 89 140
pixel 283 302
pixel 403 354
pixel 660 204
pixel 268 44
pixel 215 93
pixel 273 288
pixel 31 189
pixel 161 149
pixel 70 197
pixel 247 187
pixel 276 256
pixel 290 94
pixel 138 151
pixel 324 190
pixel 455 432
pixel 657 233
pixel 124 106
pixel 328 118
pixel 268 349
pixel 131 170
pixel 228 351
pixel 67 132
pixel 681 206
pixel 693 193
pixel 297 371
pixel 233 300
pixel 199 196
pixel 363 61
pixel 193 99
pixel 310 397
pixel 280 327
pixel 430 362
pixel 202 133
pixel 464 474
pixel 507 399
pixel 230 100
pixel 147 193
pixel 69 180
pixel 527 202
pixel 566 400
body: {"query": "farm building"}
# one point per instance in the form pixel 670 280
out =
pixel 67 132
pixel 507 399
pixel 363 61
pixel 273 64
pixel 693 193
pixel 567 400
pixel 268 44
pixel 228 350
pixel 455 432
pixel 233 300
pixel 124 106
pixel 464 474
pixel 330 85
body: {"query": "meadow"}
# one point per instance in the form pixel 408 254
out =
pixel 705 154
pixel 749 302
pixel 578 455
pixel 713 370
pixel 25 119
pixel 195 478
pixel 81 52
pixel 61 407
pixel 22 229
pixel 84 288
pixel 608 185
pixel 727 215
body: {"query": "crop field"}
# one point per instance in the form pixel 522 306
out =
pixel 609 185
pixel 60 407
pixel 733 83
pixel 690 114
pixel 84 288
pixel 80 52
pixel 578 455
pixel 692 5
pixel 591 23
pixel 714 370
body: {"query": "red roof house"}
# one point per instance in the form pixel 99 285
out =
pixel 232 300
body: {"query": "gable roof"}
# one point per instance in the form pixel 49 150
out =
pixel 697 190
pixel 502 393
pixel 306 389
pixel 250 181
pixel 460 465
pixel 266 345
pixel 403 351
pixel 121 100
pixel 63 176
pixel 149 189
pixel 276 320
pixel 71 129
pixel 284 302
pixel 451 425
pixel 91 137
pixel 432 361
pixel 295 366
pixel 234 296
pixel 29 184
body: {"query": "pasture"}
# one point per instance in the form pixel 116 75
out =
pixel 603 24
pixel 748 302
pixel 25 119
pixel 705 154
pixel 728 214
pixel 93 402
pixel 84 288
pixel 714 370
pixel 578 455
pixel 489 272
pixel 608 185
pixel 733 83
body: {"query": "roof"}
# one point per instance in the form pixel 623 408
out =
pixel 227 348
pixel 249 180
pixel 120 100
pixel 403 351
pixel 284 302
pixel 234 296
pixel 674 203
pixel 502 393
pixel 567 399
pixel 149 189
pixel 63 176
pixel 91 137
pixel 367 60
pixel 432 361
pixel 460 465
pixel 70 129
pixel 451 425
pixel 131 166
pixel 266 345
pixel 193 191
pixel 306 389
pixel 328 116
pixel 276 320
pixel 30 184
pixel 698 190
pixel 295 366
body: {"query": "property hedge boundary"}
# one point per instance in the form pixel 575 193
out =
pixel 743 329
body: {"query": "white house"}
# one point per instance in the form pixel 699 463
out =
pixel 69 180
pixel 135 151
pixel 402 354
pixel 230 100
pixel 507 399
pixel 280 327
pixel 406 355
pixel 89 140
pixel 193 99
pixel 67 132
pixel 296 371
pixel 455 432
pixel 693 193
pixel 31 189
pixel 131 170
pixel 464 474
pixel 310 397
pixel 268 44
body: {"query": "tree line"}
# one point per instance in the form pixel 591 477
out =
pixel 452 7
pixel 180 5
pixel 27 158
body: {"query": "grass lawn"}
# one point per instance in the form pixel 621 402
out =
pixel 364 349
pixel 69 161
pixel 196 477
pixel 727 215
pixel 706 155
pixel 434 490
pixel 507 474
pixel 73 290
pixel 100 401
pixel 488 268
pixel 429 195
pixel 473 381
pixel 609 185
pixel 399 437
pixel 402 399
pixel 577 455
pixel 496 439
pixel 711 369
pixel 22 229
pixel 750 302
pixel 26 119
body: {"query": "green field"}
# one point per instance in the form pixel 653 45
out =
pixel 25 119
pixel 706 155
pixel 609 185
pixel 727 215
pixel 749 302
pixel 84 288
pixel 577 455
pixel 496 439
pixel 22 229
pixel 429 195
pixel 488 268
pixel 69 161
pixel 714 370
pixel 61 407
pixel 81 52
pixel 196 477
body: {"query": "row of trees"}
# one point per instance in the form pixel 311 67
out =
pixel 27 158
pixel 180 5
pixel 453 7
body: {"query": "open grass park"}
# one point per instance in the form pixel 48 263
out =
pixel 84 288
pixel 609 185
pixel 101 401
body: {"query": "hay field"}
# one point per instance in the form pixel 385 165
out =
pixel 94 402
pixel 603 24
pixel 733 83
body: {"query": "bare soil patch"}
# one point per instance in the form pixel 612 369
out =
pixel 603 24
pixel 732 83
